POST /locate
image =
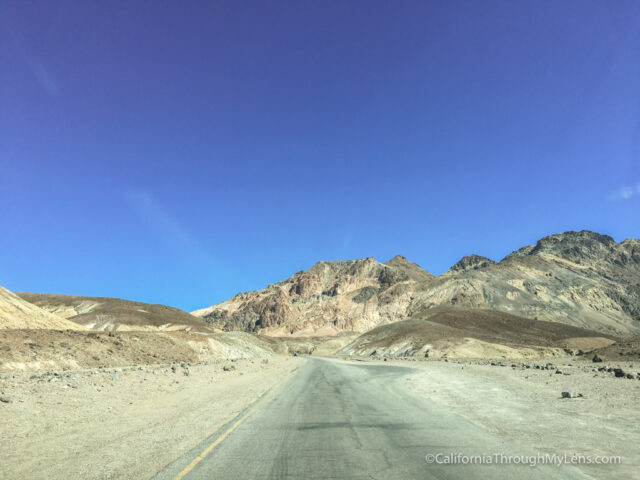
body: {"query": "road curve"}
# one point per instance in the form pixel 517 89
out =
pixel 343 420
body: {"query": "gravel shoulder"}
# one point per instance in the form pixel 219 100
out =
pixel 524 404
pixel 126 422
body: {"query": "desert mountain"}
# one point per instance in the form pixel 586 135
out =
pixel 329 298
pixel 582 279
pixel 579 278
pixel 102 313
pixel 16 313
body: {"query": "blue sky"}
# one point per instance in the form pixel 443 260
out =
pixel 180 152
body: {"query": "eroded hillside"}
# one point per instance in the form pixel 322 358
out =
pixel 16 312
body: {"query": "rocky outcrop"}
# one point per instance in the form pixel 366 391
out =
pixel 583 279
pixel 327 299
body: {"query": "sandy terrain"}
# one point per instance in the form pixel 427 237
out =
pixel 122 422
pixel 525 405
pixel 18 313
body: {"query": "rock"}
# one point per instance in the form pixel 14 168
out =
pixel 596 359
pixel 630 376
pixel 228 368
pixel 618 372
pixel 5 399
pixel 571 395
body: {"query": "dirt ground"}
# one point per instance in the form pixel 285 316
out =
pixel 525 405
pixel 38 349
pixel 128 422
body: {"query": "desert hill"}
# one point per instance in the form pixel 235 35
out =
pixel 475 334
pixel 583 279
pixel 16 312
pixel 103 313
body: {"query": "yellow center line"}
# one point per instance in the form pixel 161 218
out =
pixel 218 440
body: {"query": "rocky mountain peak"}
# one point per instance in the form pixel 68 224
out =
pixel 397 259
pixel 471 262
pixel 579 247
pixel 583 245
pixel 412 270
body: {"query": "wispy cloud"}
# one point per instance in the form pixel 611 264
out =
pixel 43 76
pixel 625 192
pixel 166 228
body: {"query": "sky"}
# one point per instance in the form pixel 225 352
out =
pixel 181 152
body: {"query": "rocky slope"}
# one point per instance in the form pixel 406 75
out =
pixel 102 313
pixel 579 278
pixel 16 312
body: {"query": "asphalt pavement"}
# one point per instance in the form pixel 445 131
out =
pixel 350 420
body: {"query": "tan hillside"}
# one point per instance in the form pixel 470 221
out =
pixel 578 278
pixel 17 313
pixel 102 313
pixel 475 334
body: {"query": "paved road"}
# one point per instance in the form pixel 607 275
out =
pixel 339 420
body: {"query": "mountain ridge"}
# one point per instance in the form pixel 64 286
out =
pixel 584 279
